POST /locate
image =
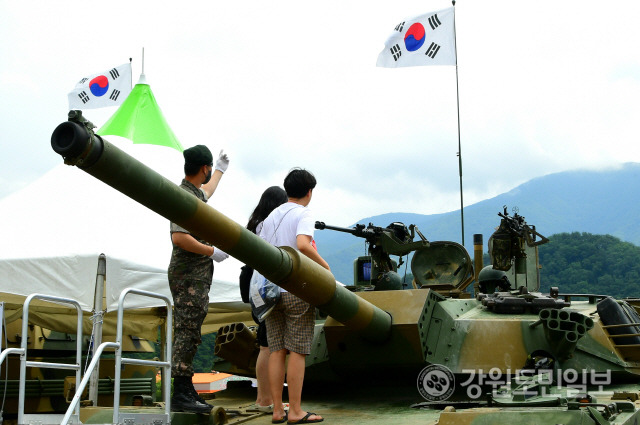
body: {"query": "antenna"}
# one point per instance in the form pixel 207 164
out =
pixel 143 78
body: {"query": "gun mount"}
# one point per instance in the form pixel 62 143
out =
pixel 507 244
pixel 442 266
pixel 378 270
pixel 513 248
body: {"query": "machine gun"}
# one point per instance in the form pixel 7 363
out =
pixel 377 269
pixel 507 244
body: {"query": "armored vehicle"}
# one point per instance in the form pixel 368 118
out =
pixel 505 353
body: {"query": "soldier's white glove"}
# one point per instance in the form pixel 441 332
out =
pixel 219 255
pixel 223 162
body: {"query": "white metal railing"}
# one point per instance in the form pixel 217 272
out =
pixel 74 407
pixel 119 360
pixel 75 402
pixel 5 353
pixel 47 365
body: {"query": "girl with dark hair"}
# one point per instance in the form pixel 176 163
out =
pixel 271 198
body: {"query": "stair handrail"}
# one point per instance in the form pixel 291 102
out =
pixel 166 365
pixel 75 401
pixel 23 348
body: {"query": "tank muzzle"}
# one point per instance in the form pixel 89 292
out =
pixel 70 139
pixel 76 142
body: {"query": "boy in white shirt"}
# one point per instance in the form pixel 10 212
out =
pixel 290 325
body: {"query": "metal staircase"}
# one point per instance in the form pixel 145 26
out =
pixel 72 415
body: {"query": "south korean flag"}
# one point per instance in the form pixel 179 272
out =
pixel 424 40
pixel 109 88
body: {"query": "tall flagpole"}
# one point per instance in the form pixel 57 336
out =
pixel 458 106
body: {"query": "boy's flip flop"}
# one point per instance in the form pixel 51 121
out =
pixel 306 419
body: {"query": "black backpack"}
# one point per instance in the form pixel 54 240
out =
pixel 245 279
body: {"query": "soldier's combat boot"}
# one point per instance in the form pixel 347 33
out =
pixel 195 394
pixel 183 400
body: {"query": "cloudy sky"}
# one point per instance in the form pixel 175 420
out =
pixel 543 87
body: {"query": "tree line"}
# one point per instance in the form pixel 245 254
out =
pixel 593 264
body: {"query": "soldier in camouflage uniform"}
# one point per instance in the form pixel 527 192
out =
pixel 190 274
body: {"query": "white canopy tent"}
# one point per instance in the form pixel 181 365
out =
pixel 56 228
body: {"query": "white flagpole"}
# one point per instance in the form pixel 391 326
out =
pixel 458 107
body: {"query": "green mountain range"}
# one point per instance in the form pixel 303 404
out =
pixel 596 202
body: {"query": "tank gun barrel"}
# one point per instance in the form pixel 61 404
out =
pixel 75 141
pixel 320 225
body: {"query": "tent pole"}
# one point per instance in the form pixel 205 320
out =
pixel 2 323
pixel 163 375
pixel 98 313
